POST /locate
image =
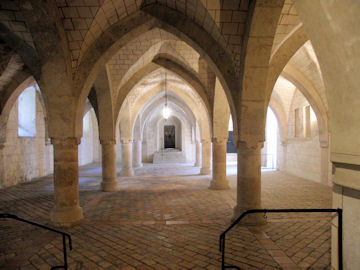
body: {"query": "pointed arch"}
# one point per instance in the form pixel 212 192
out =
pixel 142 21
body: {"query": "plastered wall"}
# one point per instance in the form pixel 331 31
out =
pixel 89 148
pixel 303 154
pixel 25 158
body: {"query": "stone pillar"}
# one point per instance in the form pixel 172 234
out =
pixel 205 157
pixel 198 154
pixel 324 166
pixel 109 182
pixel 66 210
pixel 219 180
pixel 127 170
pixel 137 154
pixel 249 182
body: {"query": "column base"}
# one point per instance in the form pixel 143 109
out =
pixel 219 185
pixel 109 185
pixel 250 219
pixel 66 216
pixel 127 172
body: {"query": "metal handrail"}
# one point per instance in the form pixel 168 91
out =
pixel 252 211
pixel 64 235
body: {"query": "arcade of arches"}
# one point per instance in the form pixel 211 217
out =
pixel 88 81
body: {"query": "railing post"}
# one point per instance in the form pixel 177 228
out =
pixel 64 249
pixel 223 254
pixel 340 255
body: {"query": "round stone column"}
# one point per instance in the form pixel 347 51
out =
pixel 137 162
pixel 249 182
pixel 219 180
pixel 205 157
pixel 127 170
pixel 109 181
pixel 66 211
pixel 198 154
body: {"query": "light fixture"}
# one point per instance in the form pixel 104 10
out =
pixel 166 110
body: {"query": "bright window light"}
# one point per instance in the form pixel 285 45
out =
pixel 27 113
pixel 271 138
pixel 312 115
pixel 230 124
pixel 86 123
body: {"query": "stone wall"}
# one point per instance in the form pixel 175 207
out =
pixel 303 153
pixel 25 158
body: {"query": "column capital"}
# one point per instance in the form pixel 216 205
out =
pixel 126 141
pixel 205 141
pixel 66 141
pixel 245 146
pixel 107 142
pixel 219 140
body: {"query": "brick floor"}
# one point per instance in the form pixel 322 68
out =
pixel 157 221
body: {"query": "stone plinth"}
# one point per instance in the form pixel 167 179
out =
pixel 169 156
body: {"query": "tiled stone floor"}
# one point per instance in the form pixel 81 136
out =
pixel 166 218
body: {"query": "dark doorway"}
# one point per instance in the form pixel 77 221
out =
pixel 169 136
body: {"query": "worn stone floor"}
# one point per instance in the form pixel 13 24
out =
pixel 166 218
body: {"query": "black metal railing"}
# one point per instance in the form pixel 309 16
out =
pixel 338 211
pixel 64 235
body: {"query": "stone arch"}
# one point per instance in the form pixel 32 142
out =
pixel 281 118
pixel 105 107
pixel 182 126
pixel 141 21
pixel 155 101
pixel 170 63
pixel 199 112
pixel 255 59
pixel 221 113
pixel 282 55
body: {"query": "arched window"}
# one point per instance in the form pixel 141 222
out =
pixel 27 113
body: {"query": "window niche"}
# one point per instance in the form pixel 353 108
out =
pixel 27 113
pixel 298 123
